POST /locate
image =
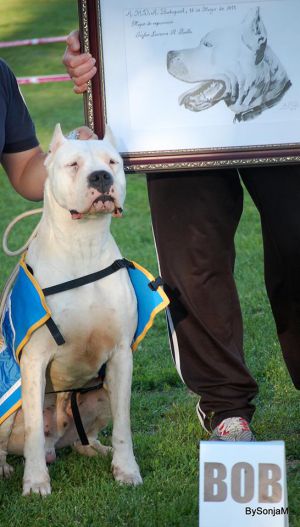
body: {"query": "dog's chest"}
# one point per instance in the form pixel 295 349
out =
pixel 94 321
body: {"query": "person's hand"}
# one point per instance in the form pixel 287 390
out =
pixel 82 133
pixel 80 66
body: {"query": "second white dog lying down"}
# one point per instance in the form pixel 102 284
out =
pixel 85 187
pixel 95 414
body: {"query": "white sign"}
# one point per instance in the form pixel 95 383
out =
pixel 242 484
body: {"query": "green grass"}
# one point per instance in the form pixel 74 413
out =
pixel 166 431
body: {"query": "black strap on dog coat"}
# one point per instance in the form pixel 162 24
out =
pixel 77 282
pixel 74 405
pixel 89 278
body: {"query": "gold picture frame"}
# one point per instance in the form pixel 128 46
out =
pixel 143 55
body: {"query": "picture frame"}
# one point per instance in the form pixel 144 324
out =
pixel 188 86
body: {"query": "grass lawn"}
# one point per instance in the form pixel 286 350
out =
pixel 165 428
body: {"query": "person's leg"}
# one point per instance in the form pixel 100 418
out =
pixel 276 193
pixel 195 216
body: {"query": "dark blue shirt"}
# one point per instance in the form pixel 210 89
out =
pixel 17 132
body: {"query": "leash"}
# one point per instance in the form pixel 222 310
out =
pixel 11 226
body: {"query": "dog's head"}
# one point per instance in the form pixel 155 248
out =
pixel 86 177
pixel 230 64
pixel 221 50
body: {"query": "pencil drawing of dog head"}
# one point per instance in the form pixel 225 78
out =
pixel 234 65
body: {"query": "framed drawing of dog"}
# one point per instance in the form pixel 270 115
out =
pixel 189 85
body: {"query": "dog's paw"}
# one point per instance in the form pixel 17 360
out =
pixel 127 476
pixel 99 448
pixel 43 488
pixel 93 449
pixel 6 471
pixel 39 485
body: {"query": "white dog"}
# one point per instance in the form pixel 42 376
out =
pixel 85 186
pixel 234 65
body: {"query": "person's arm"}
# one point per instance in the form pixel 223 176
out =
pixel 80 66
pixel 26 170
pixel 21 156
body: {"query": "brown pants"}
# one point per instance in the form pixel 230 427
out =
pixel 195 217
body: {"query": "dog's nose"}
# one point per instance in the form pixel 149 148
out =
pixel 100 180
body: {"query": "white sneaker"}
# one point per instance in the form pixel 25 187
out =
pixel 232 429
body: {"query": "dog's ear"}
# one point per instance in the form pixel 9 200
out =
pixel 109 136
pixel 254 34
pixel 57 140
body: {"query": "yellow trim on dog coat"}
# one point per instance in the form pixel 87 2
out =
pixel 26 310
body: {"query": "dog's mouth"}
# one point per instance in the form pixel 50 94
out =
pixel 101 205
pixel 206 95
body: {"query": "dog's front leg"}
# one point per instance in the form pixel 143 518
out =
pixel 118 381
pixel 33 366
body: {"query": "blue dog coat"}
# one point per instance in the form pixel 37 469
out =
pixel 26 310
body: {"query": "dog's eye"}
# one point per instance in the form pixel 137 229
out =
pixel 207 44
pixel 112 162
pixel 73 165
